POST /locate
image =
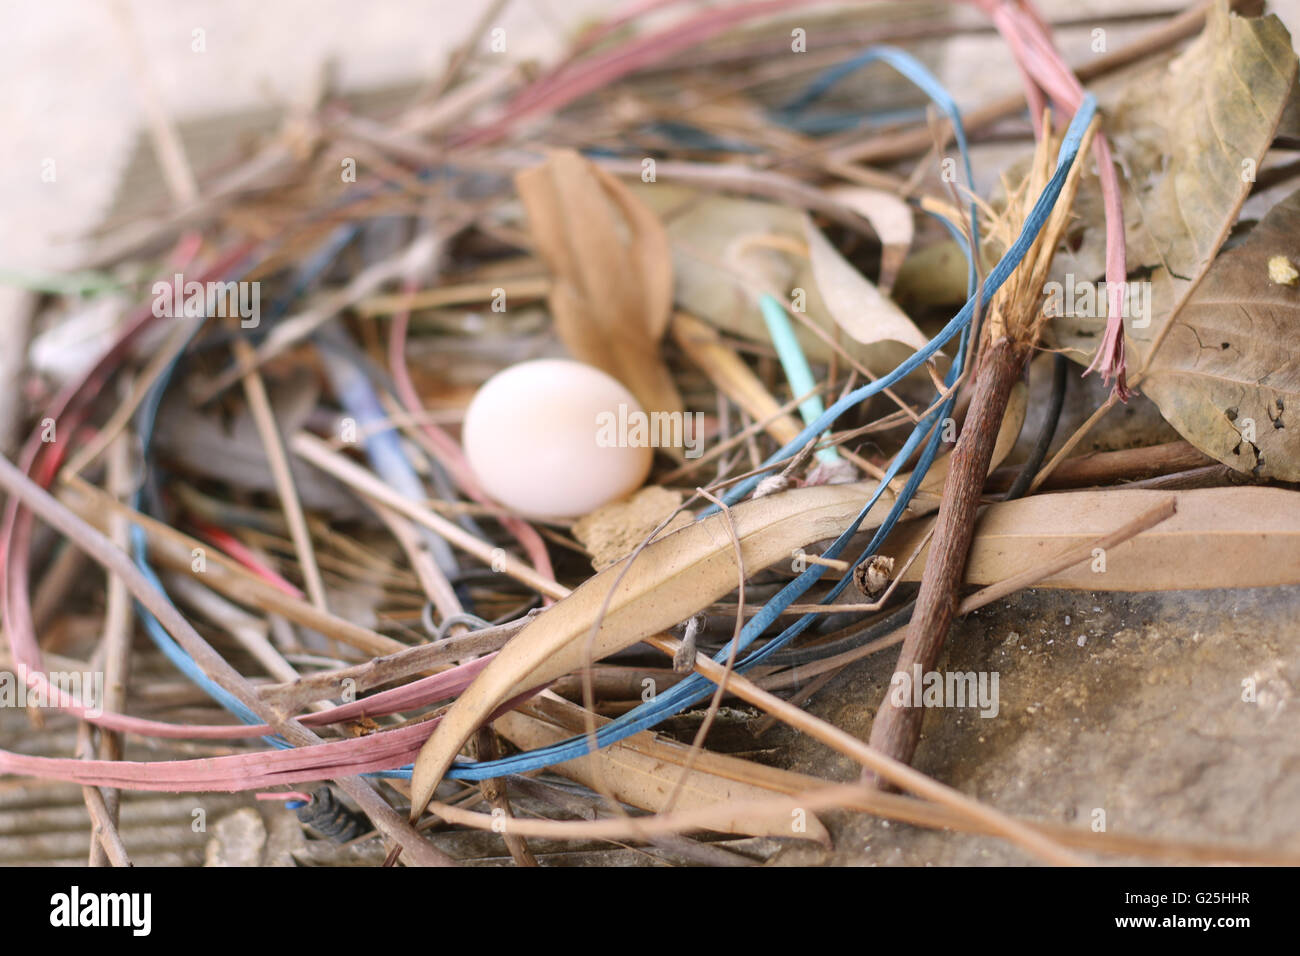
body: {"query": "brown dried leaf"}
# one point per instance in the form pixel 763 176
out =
pixel 932 275
pixel 643 771
pixel 1228 372
pixel 892 220
pixel 612 266
pixel 857 306
pixel 706 229
pixel 1188 137
pixel 673 579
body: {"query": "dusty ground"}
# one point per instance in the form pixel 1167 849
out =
pixel 1131 704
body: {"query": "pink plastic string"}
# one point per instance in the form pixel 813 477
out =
pixel 260 770
pixel 42 460
pixel 1041 64
pixel 575 80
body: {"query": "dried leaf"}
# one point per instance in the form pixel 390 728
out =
pixel 892 220
pixel 232 452
pixel 643 772
pixel 1188 138
pixel 612 265
pixel 857 306
pixel 673 578
pixel 1288 128
pixel 704 228
pixel 612 531
pixel 1239 537
pixel 933 275
pixel 1228 371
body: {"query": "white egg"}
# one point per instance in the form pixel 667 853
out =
pixel 538 437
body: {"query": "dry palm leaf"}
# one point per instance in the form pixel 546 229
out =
pixel 612 266
pixel 643 772
pixel 1219 538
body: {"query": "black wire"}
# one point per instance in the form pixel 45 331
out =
pixel 331 818
pixel 465 578
pixel 795 656
pixel 1060 368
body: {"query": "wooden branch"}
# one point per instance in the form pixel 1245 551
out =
pixel 896 730
pixel 1098 468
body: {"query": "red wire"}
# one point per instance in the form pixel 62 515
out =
pixel 238 551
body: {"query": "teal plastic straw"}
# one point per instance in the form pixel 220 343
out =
pixel 795 364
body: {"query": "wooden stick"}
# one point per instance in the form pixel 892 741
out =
pixel 896 730
pixel 105 841
pixel 119 611
pixel 485 746
pixel 1101 467
pixel 526 289
pixel 259 404
pixel 833 563
pixel 166 138
pixel 423 658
